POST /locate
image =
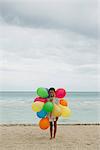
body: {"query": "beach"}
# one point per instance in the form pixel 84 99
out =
pixel 19 128
pixel 31 137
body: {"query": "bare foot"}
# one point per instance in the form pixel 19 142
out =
pixel 50 138
pixel 54 137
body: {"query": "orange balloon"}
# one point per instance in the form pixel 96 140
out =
pixel 44 123
pixel 63 102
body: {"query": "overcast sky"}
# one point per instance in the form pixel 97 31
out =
pixel 49 43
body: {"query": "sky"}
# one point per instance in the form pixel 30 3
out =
pixel 49 43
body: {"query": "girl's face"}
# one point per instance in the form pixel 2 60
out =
pixel 52 93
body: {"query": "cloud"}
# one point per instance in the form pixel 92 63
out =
pixel 74 15
pixel 47 44
pixel 52 44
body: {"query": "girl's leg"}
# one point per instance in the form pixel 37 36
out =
pixel 55 128
pixel 51 130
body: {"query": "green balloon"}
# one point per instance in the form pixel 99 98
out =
pixel 42 92
pixel 48 106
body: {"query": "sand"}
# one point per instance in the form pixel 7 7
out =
pixel 69 137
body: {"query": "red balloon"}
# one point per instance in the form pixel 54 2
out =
pixel 40 99
pixel 60 93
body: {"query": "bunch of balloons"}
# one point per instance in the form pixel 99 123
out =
pixel 42 106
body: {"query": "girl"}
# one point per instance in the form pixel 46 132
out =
pixel 52 119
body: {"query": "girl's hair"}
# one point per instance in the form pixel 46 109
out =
pixel 53 89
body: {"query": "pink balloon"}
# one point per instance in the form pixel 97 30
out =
pixel 60 93
pixel 40 99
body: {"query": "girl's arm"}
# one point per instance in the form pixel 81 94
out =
pixel 56 118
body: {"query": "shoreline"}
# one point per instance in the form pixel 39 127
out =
pixel 76 124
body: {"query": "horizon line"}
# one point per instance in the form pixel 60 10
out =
pixel 35 91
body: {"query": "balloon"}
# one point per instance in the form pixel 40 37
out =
pixel 56 111
pixel 42 92
pixel 37 106
pixel 63 102
pixel 60 93
pixel 40 99
pixel 62 107
pixel 44 123
pixel 41 114
pixel 48 106
pixel 66 112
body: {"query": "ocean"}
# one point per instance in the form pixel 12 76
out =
pixel 15 108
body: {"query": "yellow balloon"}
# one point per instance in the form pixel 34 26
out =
pixel 37 106
pixel 66 112
pixel 56 111
pixel 62 107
